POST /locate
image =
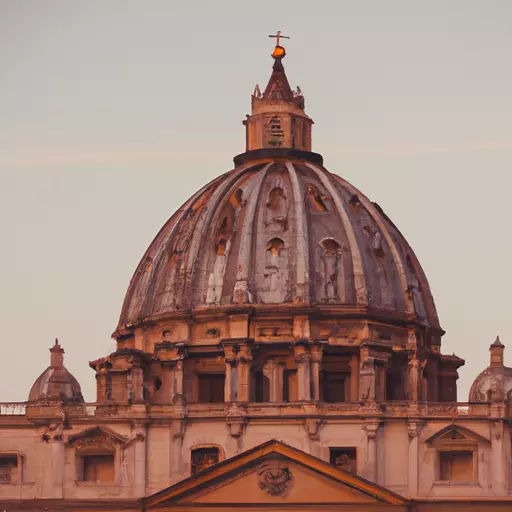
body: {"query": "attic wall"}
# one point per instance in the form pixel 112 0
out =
pixel 161 455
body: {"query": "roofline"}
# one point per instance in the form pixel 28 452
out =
pixel 230 465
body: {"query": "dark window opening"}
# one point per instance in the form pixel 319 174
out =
pixel 98 468
pixel 203 458
pixel 344 458
pixel 211 388
pixel 261 387
pixel 456 466
pixel 395 389
pixel 8 469
pixel 158 383
pixel 333 387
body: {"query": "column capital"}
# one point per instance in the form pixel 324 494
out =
pixel 497 430
pixel 237 349
pixel 316 350
pixel 414 428
pixel 371 429
pixel 170 351
pixel 301 351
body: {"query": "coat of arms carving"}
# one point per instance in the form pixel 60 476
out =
pixel 275 478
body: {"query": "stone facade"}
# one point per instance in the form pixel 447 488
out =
pixel 279 303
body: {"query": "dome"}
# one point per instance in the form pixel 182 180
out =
pixel 56 383
pixel 279 231
pixel 495 382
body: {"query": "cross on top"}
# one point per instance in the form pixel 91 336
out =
pixel 278 36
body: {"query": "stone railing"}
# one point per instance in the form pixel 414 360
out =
pixel 437 409
pixel 13 408
pixel 285 409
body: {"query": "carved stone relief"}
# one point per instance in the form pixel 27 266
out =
pixel 276 272
pixel 275 478
pixel 331 275
pixel 276 214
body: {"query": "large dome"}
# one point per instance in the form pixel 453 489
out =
pixel 279 231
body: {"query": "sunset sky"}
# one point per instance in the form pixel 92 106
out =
pixel 113 112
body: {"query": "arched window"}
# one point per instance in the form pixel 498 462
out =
pixel 203 457
pixel 274 248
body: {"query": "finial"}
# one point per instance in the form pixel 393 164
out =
pixel 496 350
pixel 279 51
pixel 57 355
pixel 498 343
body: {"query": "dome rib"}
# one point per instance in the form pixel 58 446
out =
pixel 241 292
pixel 207 260
pixel 357 264
pixel 383 229
pixel 302 279
pixel 204 223
pixel 283 249
pixel 132 312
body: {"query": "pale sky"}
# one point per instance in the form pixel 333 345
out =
pixel 113 112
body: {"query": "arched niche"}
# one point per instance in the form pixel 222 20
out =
pixel 273 289
pixel 331 270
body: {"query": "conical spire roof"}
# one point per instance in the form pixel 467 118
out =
pixel 278 87
pixel 497 343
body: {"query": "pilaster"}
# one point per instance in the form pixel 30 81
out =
pixel 302 358
pixel 370 468
pixel 316 360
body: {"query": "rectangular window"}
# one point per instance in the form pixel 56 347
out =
pixel 98 468
pixel 203 458
pixel 456 466
pixel 211 388
pixel 344 458
pixel 8 469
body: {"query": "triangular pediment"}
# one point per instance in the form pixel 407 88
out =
pixel 273 474
pixel 105 433
pixel 456 434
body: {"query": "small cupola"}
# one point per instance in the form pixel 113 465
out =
pixel 496 350
pixel 277 117
pixel 56 384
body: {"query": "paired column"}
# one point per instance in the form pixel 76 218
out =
pixel 302 359
pixel 354 378
pixel 172 356
pixel 237 358
pixel 413 371
pixel 373 372
pixel 316 359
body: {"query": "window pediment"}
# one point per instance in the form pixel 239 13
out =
pixel 96 440
pixel 456 435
